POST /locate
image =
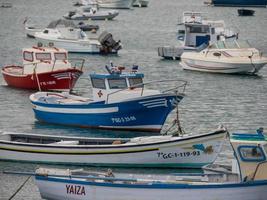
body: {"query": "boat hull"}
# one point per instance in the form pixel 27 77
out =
pixel 72 46
pixel 67 188
pixel 60 80
pixel 173 152
pixel 108 16
pixel 221 67
pixel 119 4
pixel 140 114
pixel 256 3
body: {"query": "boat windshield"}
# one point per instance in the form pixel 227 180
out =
pixel 136 81
pixel 43 56
pixel 28 56
pixel 60 56
pixel 244 44
pixel 251 153
pixel 230 44
pixel 117 83
pixel 199 29
pixel 98 83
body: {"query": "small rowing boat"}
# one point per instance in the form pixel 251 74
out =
pixel 188 151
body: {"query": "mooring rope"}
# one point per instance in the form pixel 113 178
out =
pixel 19 188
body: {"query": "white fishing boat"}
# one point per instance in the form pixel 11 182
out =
pixel 187 151
pixel 121 4
pixel 76 41
pixel 250 183
pixel 231 57
pixel 92 13
pixel 140 3
pixel 194 32
pixel 118 4
pixel 31 29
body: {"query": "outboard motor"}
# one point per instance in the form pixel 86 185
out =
pixel 71 13
pixel 108 43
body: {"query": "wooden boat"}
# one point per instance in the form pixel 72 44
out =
pixel 245 12
pixel 188 151
pixel 120 101
pixel 230 57
pixel 44 68
pixel 251 183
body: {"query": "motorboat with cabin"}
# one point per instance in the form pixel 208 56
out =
pixel 231 57
pixel 91 12
pixel 248 182
pixel 194 32
pixel 75 40
pixel 32 29
pixel 44 68
pixel 191 150
pixel 120 101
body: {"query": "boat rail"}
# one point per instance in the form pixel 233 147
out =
pixel 175 89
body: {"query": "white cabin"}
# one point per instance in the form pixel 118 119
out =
pixel 118 86
pixel 44 59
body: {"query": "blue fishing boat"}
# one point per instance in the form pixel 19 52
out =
pixel 120 101
pixel 252 3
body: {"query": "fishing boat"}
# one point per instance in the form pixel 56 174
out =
pixel 44 68
pixel 120 101
pixel 245 12
pixel 231 57
pixel 238 3
pixel 194 32
pixel 249 183
pixel 92 13
pixel 140 3
pixel 30 30
pixel 186 151
pixel 74 40
pixel 118 4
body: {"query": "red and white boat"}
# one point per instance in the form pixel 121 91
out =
pixel 44 68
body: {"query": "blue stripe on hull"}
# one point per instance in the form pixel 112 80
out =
pixel 130 114
pixel 260 3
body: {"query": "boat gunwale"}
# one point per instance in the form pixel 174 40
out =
pixel 125 145
pixel 153 185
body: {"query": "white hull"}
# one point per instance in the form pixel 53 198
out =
pixel 78 46
pixel 163 152
pixel 57 190
pixel 221 67
pixel 30 31
pixel 123 4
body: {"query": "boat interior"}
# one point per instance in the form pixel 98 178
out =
pixel 125 178
pixel 59 140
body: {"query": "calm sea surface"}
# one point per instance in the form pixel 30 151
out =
pixel 238 102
